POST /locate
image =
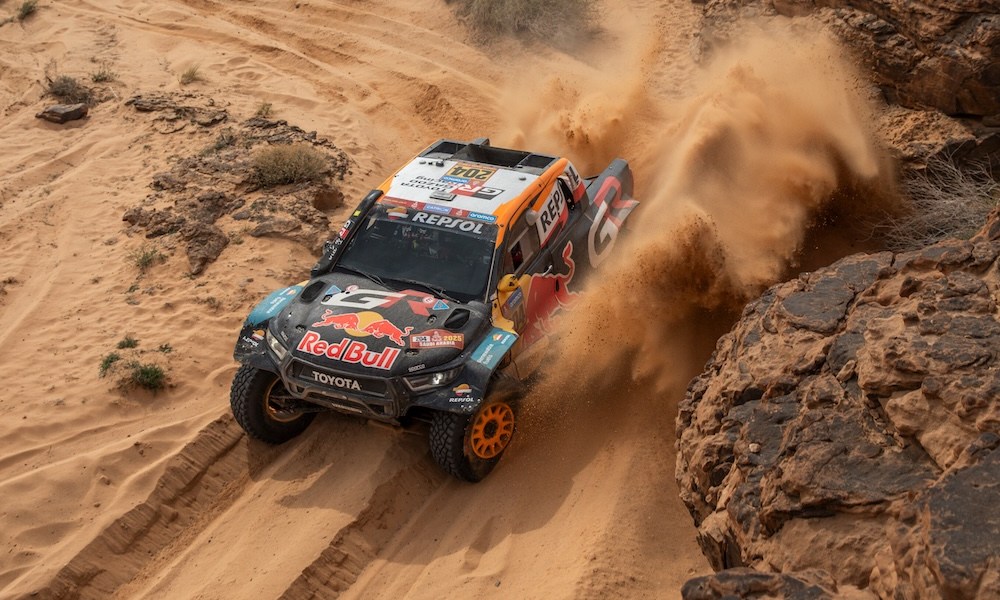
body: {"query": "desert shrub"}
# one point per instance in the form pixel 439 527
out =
pixel 127 342
pixel 108 361
pixel 552 20
pixel 191 75
pixel 144 258
pixel 103 75
pixel 285 163
pixel 27 8
pixel 145 375
pixel 69 90
pixel 944 200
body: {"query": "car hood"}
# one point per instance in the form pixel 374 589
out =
pixel 347 323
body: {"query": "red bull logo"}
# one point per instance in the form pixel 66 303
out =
pixel 363 324
pixel 348 351
pixel 345 321
pixel 383 328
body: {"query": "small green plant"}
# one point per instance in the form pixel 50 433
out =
pixel 103 75
pixel 191 75
pixel 128 342
pixel 144 258
pixel 287 163
pixel 264 110
pixel 145 375
pixel 107 361
pixel 27 8
pixel 69 90
pixel 166 348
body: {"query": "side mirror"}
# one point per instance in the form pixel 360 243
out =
pixel 507 284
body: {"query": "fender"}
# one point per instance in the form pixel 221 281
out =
pixel 251 339
pixel 470 388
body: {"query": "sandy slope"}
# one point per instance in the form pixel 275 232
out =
pixel 112 495
pixel 161 496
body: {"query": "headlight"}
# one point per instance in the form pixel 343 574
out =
pixel 429 381
pixel 275 345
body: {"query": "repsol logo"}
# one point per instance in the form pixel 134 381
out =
pixel 341 382
pixel 449 222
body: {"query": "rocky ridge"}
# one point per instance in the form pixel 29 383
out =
pixel 930 59
pixel 849 425
pixel 189 200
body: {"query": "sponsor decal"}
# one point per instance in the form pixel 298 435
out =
pixel 363 324
pixel 436 208
pixel 273 304
pixel 429 183
pixel 464 173
pixel 255 338
pixel 355 297
pixel 513 301
pixel 493 348
pixel 483 217
pixel 476 190
pixel 552 214
pixel 448 222
pixel 575 182
pixel 397 212
pixel 437 338
pixel 457 400
pixel 604 230
pixel 359 298
pixel 341 382
pixel 333 289
pixel 546 295
pixel 462 389
pixel 348 351
pixel 357 213
pixel 416 368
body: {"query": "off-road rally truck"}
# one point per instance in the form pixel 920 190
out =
pixel 420 307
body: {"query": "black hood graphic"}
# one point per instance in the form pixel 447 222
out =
pixel 348 323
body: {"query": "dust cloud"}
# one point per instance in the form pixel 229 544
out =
pixel 775 129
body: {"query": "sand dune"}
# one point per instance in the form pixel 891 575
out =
pixel 138 495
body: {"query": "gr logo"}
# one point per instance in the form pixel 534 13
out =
pixel 366 299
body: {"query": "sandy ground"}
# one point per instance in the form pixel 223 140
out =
pixel 108 494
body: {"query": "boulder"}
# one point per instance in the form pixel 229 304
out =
pixel 849 423
pixel 62 113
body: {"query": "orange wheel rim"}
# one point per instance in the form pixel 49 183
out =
pixel 274 410
pixel 492 430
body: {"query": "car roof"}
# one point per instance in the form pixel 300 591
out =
pixel 471 180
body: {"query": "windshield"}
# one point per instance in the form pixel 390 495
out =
pixel 402 246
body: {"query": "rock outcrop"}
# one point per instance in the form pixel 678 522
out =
pixel 850 423
pixel 192 198
pixel 941 54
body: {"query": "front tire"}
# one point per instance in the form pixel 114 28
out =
pixel 470 446
pixel 262 406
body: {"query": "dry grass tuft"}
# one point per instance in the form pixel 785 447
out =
pixel 945 201
pixel 286 163
pixel 191 75
pixel 70 91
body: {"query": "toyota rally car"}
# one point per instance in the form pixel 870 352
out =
pixel 420 307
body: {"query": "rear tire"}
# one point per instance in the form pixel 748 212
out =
pixel 257 398
pixel 470 446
